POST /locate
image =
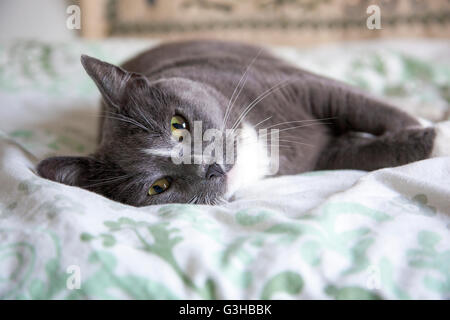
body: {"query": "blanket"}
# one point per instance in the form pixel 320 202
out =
pixel 341 234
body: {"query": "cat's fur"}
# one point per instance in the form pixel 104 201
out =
pixel 197 79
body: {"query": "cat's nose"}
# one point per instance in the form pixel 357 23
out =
pixel 214 170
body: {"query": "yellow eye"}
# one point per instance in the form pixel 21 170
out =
pixel 177 125
pixel 159 186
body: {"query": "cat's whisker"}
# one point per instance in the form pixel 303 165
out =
pixel 219 200
pixel 128 118
pixel 246 141
pixel 233 99
pixel 107 181
pixel 258 99
pixel 138 108
pixel 299 121
pixel 207 199
pixel 116 114
pixel 246 137
pixel 291 128
pixel 230 103
pixel 200 199
pixel 286 145
pixel 281 140
pixel 127 121
pixel 210 200
pixel 282 146
pixel 261 122
pixel 192 200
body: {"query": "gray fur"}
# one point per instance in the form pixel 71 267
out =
pixel 196 79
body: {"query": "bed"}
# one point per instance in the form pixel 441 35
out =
pixel 320 235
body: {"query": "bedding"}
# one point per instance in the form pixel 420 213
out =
pixel 342 234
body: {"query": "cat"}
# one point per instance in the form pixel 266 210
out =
pixel 152 102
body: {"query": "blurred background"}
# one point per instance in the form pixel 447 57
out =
pixel 285 22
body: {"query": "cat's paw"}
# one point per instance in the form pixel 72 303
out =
pixel 441 145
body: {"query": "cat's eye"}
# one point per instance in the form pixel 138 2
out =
pixel 159 186
pixel 177 125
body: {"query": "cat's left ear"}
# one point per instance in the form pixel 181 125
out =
pixel 110 79
pixel 73 171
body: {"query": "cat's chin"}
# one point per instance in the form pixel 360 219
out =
pixel 237 179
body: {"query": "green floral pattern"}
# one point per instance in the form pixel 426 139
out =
pixel 360 236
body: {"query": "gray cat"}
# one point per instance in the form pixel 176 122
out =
pixel 150 104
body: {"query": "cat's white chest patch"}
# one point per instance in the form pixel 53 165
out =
pixel 252 161
pixel 441 146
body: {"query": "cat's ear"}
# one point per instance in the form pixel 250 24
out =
pixel 73 171
pixel 110 79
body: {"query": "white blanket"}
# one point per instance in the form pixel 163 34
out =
pixel 327 235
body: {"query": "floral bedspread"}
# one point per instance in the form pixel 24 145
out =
pixel 320 235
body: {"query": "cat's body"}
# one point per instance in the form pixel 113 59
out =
pixel 319 122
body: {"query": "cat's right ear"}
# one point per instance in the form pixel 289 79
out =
pixel 73 171
pixel 110 79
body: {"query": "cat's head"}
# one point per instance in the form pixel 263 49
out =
pixel 146 128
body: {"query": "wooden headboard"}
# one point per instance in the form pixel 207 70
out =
pixel 287 22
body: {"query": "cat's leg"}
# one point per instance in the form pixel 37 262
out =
pixel 353 151
pixel 350 109
pixel 396 138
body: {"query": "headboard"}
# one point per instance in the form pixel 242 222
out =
pixel 283 22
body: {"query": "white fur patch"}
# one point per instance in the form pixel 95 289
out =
pixel 252 161
pixel 161 152
pixel 441 147
pixel 425 123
